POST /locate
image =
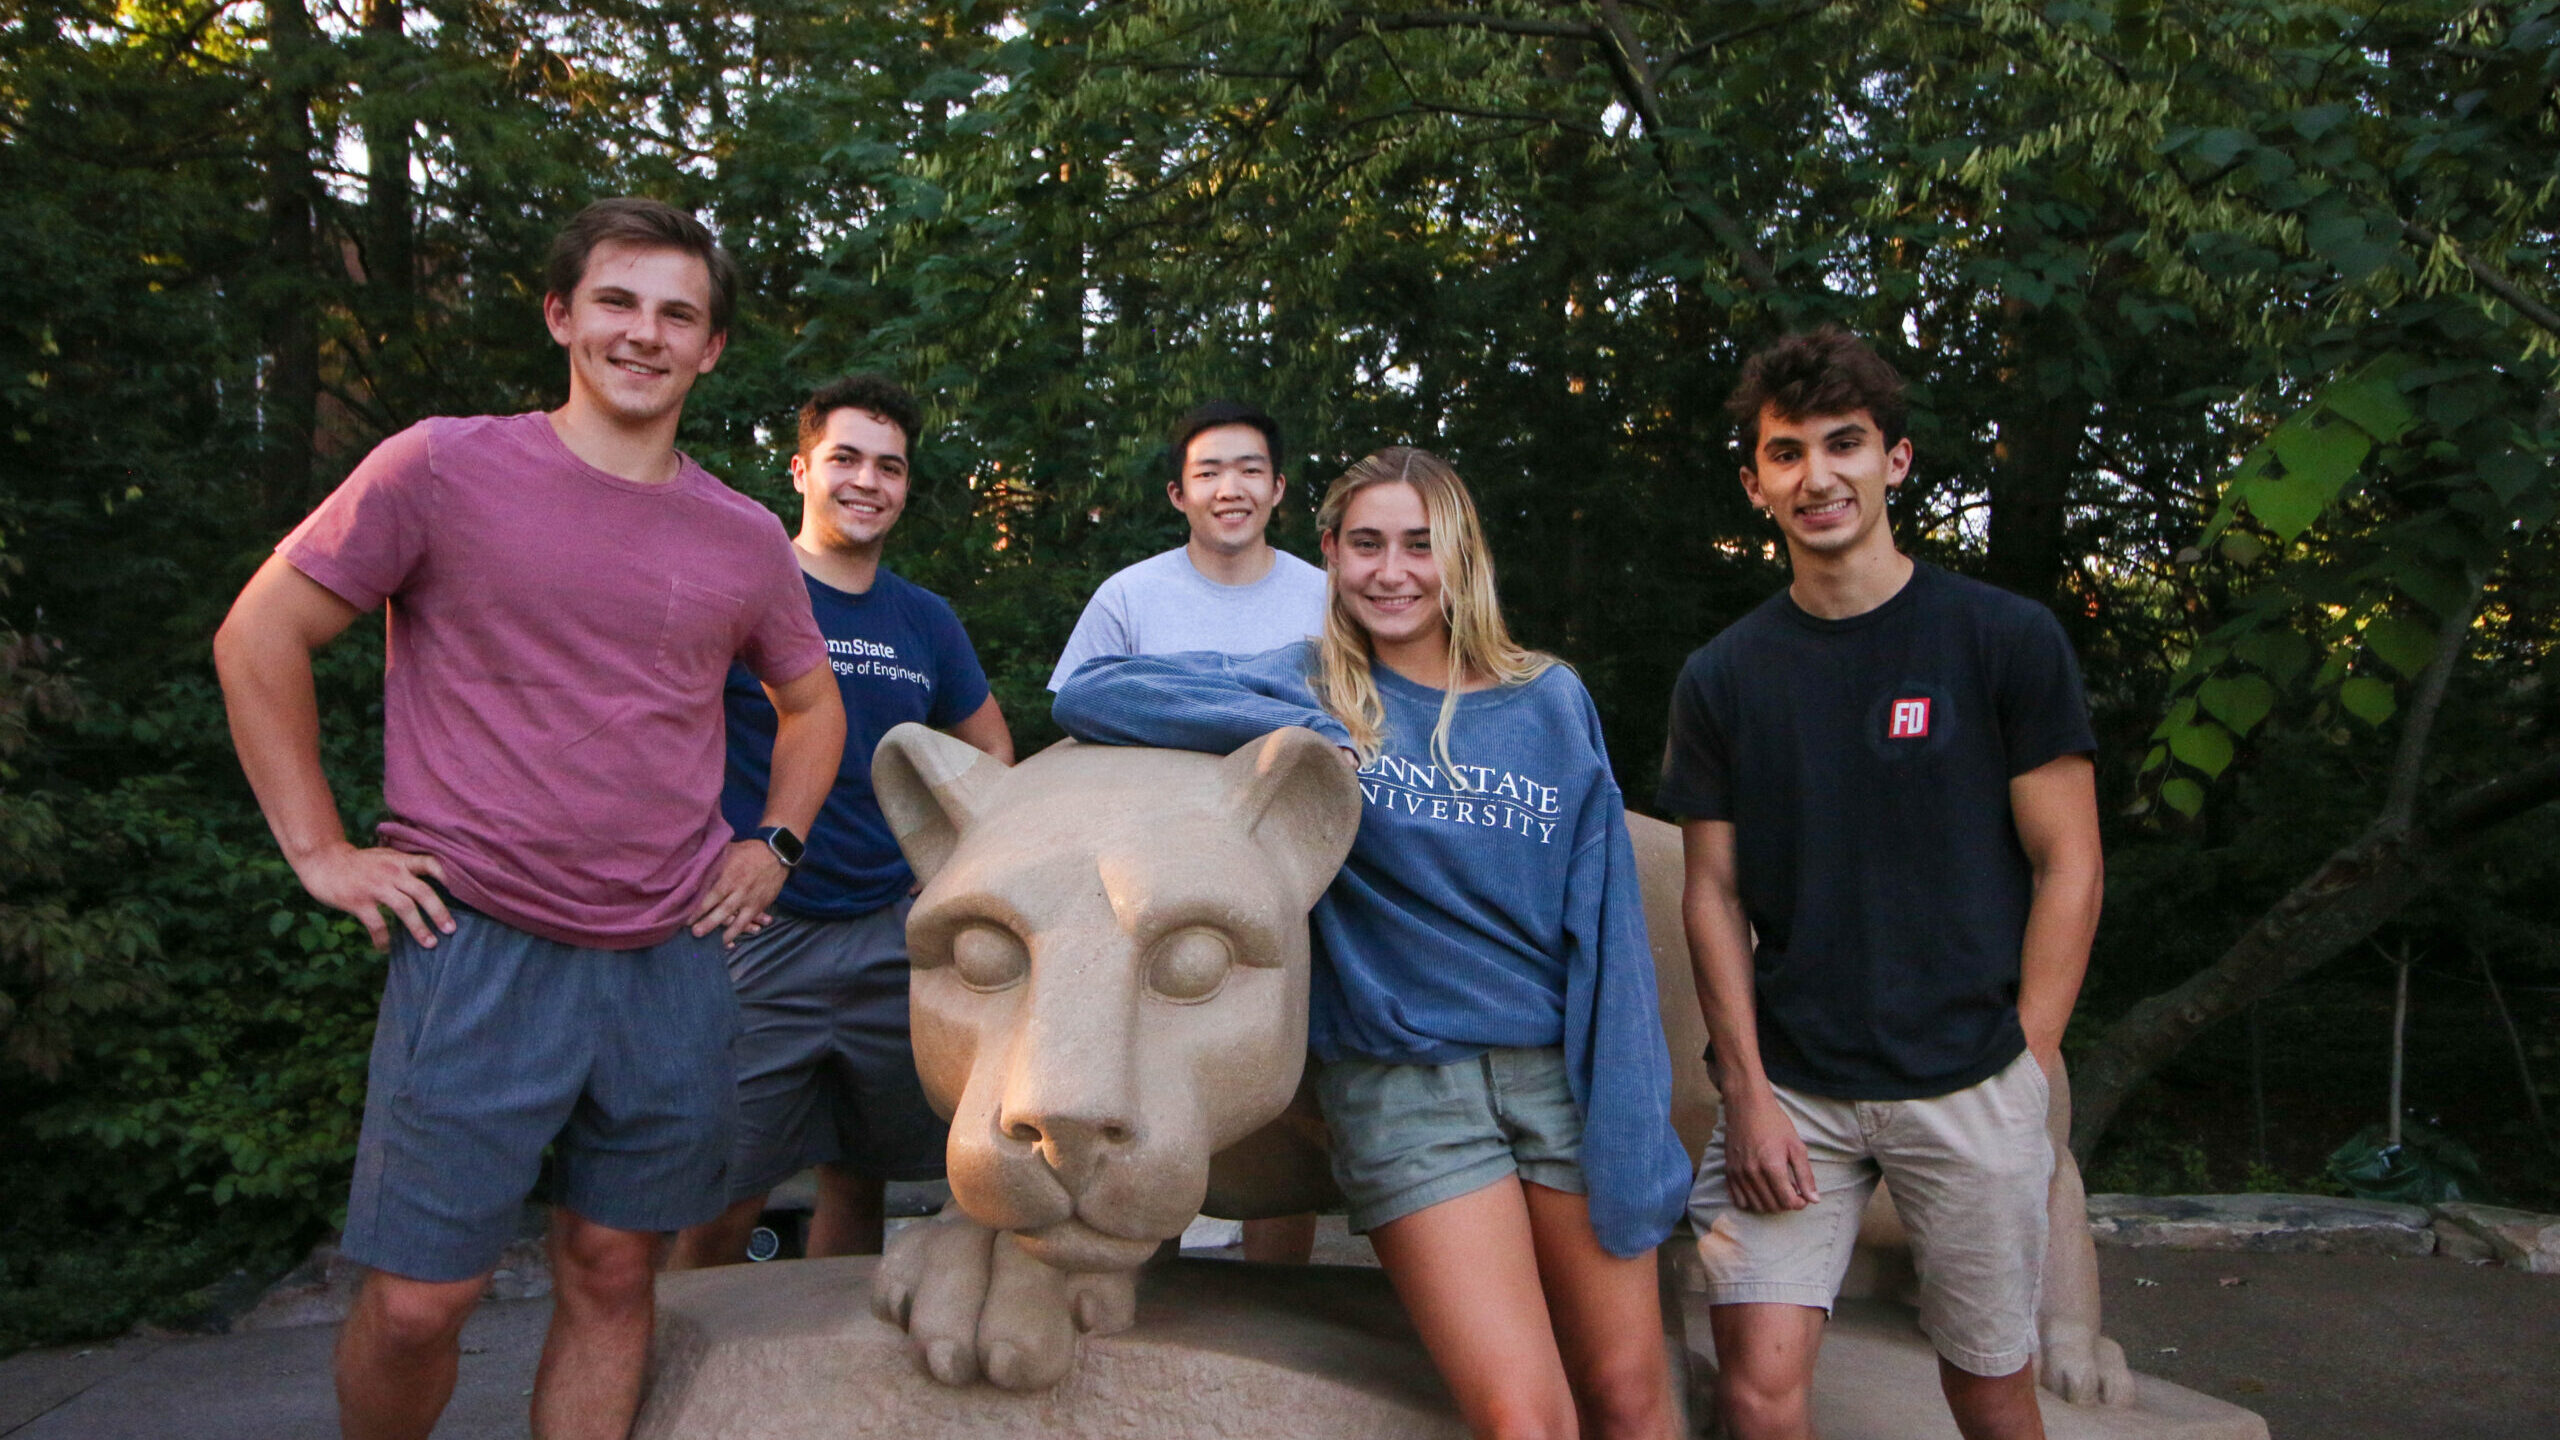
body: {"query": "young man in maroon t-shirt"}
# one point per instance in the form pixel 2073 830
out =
pixel 565 593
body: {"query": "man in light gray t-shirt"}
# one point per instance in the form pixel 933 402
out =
pixel 1226 589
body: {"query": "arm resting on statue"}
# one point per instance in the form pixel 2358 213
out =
pixel 1197 701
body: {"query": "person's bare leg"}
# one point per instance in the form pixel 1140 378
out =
pixel 604 1303
pixel 1607 1315
pixel 1764 1369
pixel 721 1240
pixel 1281 1240
pixel 852 1216
pixel 1993 1407
pixel 398 1354
pixel 1467 1272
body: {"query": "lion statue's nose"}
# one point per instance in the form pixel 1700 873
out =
pixel 1068 1130
pixel 1071 1144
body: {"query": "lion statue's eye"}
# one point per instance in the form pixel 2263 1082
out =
pixel 988 958
pixel 1189 964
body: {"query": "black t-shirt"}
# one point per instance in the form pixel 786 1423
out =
pixel 1865 765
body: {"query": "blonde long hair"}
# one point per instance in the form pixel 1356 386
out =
pixel 1479 643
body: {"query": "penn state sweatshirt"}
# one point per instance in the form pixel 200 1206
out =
pixel 1492 903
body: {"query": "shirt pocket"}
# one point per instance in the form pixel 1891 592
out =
pixel 698 634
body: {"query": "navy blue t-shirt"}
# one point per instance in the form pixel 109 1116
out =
pixel 1865 765
pixel 899 654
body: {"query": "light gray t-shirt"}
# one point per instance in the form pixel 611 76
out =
pixel 1163 605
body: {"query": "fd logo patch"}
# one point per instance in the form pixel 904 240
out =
pixel 1910 720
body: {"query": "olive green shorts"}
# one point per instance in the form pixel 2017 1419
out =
pixel 1406 1137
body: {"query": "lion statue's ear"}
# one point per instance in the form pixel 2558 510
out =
pixel 1294 796
pixel 930 786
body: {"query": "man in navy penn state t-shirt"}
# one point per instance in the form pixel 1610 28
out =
pixel 826 1075
pixel 1884 776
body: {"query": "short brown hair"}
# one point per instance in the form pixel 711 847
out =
pixel 1824 372
pixel 637 220
pixel 877 394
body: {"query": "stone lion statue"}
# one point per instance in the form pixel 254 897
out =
pixel 1109 1003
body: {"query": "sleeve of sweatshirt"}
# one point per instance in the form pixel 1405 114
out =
pixel 1619 1063
pixel 1193 701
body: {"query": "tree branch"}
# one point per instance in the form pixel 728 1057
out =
pixel 1709 46
pixel 1441 20
pixel 1635 81
pixel 2408 765
pixel 2350 896
pixel 1530 118
pixel 2490 279
pixel 2485 806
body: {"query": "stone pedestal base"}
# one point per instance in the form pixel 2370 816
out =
pixel 1878 1380
pixel 790 1351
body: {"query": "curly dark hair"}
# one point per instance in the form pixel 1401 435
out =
pixel 1822 372
pixel 878 394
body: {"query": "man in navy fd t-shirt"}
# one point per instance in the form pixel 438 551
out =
pixel 1884 774
pixel 826 1076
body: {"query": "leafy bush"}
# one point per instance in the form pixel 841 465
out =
pixel 206 1119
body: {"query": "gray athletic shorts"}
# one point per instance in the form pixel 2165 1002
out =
pixel 1970 1172
pixel 496 1044
pixel 825 1070
pixel 1406 1137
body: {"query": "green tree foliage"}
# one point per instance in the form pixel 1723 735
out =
pixel 2352 195
pixel 62 954
pixel 2120 249
pixel 2230 328
pixel 237 301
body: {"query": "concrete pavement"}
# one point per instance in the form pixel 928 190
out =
pixel 2326 1347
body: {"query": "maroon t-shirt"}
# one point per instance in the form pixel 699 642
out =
pixel 558 636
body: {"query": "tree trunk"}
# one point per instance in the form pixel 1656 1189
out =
pixel 1565 437
pixel 2030 496
pixel 290 399
pixel 390 264
pixel 2037 457
pixel 2345 900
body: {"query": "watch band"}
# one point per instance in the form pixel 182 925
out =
pixel 786 847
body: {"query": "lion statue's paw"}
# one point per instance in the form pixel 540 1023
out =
pixel 978 1307
pixel 2084 1367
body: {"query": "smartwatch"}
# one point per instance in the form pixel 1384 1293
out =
pixel 786 847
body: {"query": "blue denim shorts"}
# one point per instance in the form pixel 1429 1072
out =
pixel 496 1045
pixel 826 1073
pixel 1406 1137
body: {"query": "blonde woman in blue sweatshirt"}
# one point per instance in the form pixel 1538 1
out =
pixel 1494 1073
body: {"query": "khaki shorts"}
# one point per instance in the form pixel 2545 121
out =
pixel 1970 1172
